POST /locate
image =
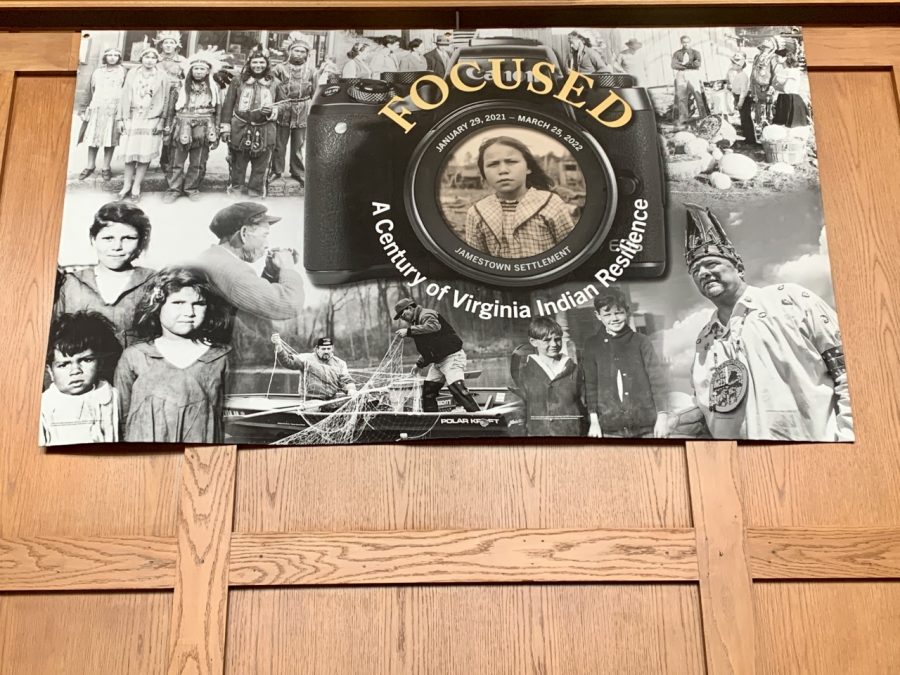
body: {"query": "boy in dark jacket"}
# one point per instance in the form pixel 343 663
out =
pixel 624 381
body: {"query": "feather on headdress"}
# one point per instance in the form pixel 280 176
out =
pixel 167 35
pixel 214 57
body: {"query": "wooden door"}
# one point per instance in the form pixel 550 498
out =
pixel 425 558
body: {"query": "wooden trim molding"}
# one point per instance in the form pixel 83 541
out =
pixel 726 593
pixel 463 556
pixel 37 564
pixel 206 512
pixel 87 563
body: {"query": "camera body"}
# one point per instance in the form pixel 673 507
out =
pixel 365 166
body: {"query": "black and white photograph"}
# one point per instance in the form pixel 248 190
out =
pixel 512 192
pixel 308 237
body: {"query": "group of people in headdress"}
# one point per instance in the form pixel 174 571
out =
pixel 177 109
pixel 141 355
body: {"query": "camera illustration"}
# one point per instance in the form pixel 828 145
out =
pixel 510 170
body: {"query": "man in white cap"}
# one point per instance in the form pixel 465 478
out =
pixel 323 376
pixel 441 352
pixel 769 364
pixel 296 83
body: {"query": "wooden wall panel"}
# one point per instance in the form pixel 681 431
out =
pixel 830 628
pixel 828 485
pixel 84 633
pixel 466 629
pixel 130 491
pixel 421 487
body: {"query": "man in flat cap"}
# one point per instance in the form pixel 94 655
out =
pixel 441 352
pixel 769 364
pixel 243 232
pixel 439 58
pixel 323 376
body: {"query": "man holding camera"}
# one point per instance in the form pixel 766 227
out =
pixel 440 350
pixel 769 364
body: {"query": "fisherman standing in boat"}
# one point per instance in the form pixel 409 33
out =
pixel 323 376
pixel 769 364
pixel 441 352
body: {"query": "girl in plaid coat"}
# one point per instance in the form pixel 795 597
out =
pixel 523 217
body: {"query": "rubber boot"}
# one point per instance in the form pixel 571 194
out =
pixel 463 397
pixel 430 391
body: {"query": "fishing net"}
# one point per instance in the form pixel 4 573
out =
pixel 379 409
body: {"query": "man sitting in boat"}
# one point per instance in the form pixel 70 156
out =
pixel 323 376
pixel 441 352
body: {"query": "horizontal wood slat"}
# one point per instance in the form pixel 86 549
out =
pixel 452 556
pixel 824 553
pixel 463 556
pixel 86 563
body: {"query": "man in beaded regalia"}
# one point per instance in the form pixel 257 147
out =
pixel 192 122
pixel 296 82
pixel 168 42
pixel 769 364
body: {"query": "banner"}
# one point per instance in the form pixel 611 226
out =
pixel 359 236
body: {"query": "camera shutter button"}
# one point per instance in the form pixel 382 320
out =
pixel 629 185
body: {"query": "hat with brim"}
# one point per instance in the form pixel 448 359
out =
pixel 739 58
pixel 232 218
pixel 402 304
pixel 633 42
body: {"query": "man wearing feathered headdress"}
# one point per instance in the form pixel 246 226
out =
pixel 769 364
pixel 248 123
pixel 296 83
pixel 168 42
pixel 192 122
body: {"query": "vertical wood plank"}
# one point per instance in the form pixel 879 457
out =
pixel 726 598
pixel 199 612
pixel 7 91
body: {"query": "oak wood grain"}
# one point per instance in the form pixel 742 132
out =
pixel 824 553
pixel 128 490
pixel 7 91
pixel 435 487
pixel 463 556
pixel 466 630
pixel 836 485
pixel 84 633
pixel 200 608
pixel 725 583
pixel 38 52
pixel 826 628
pixel 851 47
pixel 97 563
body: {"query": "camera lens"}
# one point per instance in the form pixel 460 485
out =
pixel 509 194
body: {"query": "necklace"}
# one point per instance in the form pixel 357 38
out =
pixel 728 384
